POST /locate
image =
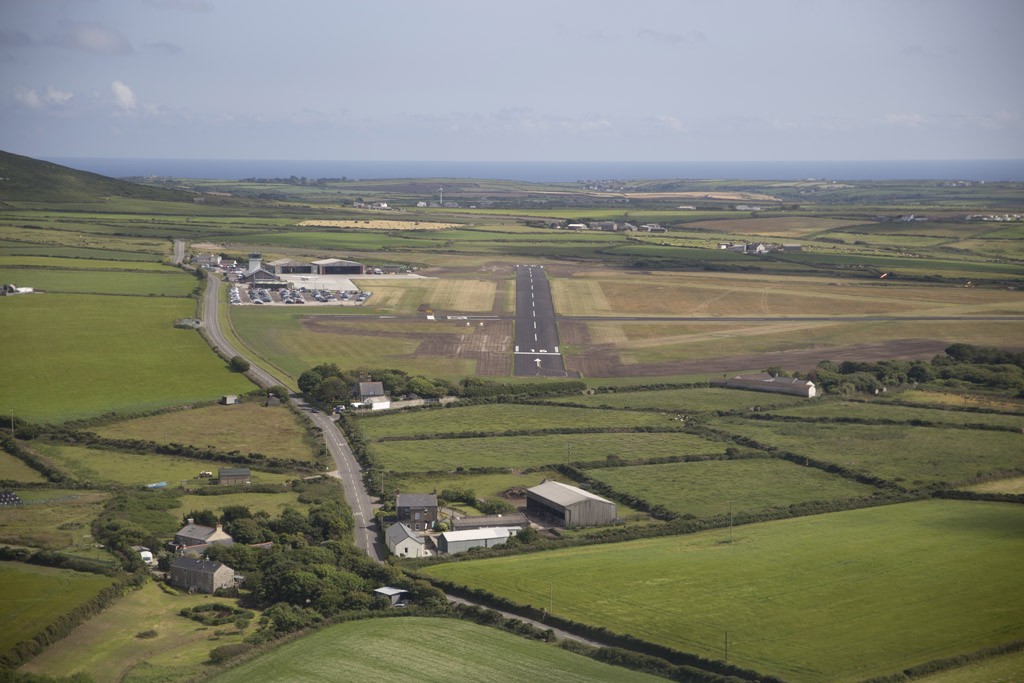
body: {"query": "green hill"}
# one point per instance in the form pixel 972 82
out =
pixel 23 179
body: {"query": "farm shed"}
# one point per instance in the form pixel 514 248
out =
pixel 234 475
pixel 484 521
pixel 228 400
pixel 378 403
pixel 418 510
pixel 452 542
pixel 568 506
pixel 337 266
pixel 392 594
pixel 403 542
pixel 204 576
pixel 762 381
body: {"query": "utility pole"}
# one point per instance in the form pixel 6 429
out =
pixel 726 646
pixel 568 459
pixel 730 523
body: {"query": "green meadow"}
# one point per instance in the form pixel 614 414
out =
pixel 506 417
pixel 431 649
pixel 32 597
pixel 838 597
pixel 711 488
pixel 534 451
pixel 683 400
pixel 83 355
pixel 910 456
pixel 77 281
pixel 878 410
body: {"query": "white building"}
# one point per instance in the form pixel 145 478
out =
pixel 404 542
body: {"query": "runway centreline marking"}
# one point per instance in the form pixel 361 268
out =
pixel 535 353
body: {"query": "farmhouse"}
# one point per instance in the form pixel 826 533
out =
pixel 204 576
pixel 234 475
pixel 418 510
pixel 365 390
pixel 452 542
pixel 762 381
pixel 403 542
pixel 568 506
pixel 193 534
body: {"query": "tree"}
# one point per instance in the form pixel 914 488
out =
pixel 238 364
pixel 279 391
pixel 201 517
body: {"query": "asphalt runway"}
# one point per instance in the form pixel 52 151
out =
pixel 536 340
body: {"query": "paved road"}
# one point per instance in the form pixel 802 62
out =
pixel 179 252
pixel 536 342
pixel 347 467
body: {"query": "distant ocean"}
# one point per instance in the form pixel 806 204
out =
pixel 555 171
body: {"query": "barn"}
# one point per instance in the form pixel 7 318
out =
pixel 452 542
pixel 568 506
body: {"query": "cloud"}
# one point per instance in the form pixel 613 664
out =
pixel 667 38
pixel 164 46
pixel 671 122
pixel 32 98
pixel 14 39
pixel 908 120
pixel 123 96
pixel 93 38
pixel 181 5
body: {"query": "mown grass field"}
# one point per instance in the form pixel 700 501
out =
pixel 910 456
pixel 64 525
pixel 249 427
pixel 941 399
pixel 486 486
pixel 836 597
pixel 505 417
pixel 88 264
pixel 684 400
pixel 1002 669
pixel 887 411
pixel 99 466
pixel 1011 485
pixel 707 489
pixel 469 652
pixel 32 597
pixel 106 646
pixel 100 282
pixel 533 451
pixel 83 355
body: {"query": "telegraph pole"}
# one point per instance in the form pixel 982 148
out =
pixel 730 541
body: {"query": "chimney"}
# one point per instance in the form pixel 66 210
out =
pixel 191 521
pixel 220 527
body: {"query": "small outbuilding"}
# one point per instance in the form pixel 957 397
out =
pixel 229 476
pixel 568 506
pixel 404 542
pixel 229 400
pixel 484 521
pixel 763 381
pixel 395 595
pixel 203 576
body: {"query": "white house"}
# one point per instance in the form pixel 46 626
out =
pixel 403 542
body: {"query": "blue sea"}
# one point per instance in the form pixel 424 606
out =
pixel 555 171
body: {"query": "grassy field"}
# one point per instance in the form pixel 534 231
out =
pixel 836 597
pixel 684 400
pixel 470 652
pixel 12 469
pixel 1003 669
pixel 63 522
pixel 78 358
pixel 106 646
pixel 910 456
pixel 100 282
pixel 533 451
pixel 876 410
pixel 948 399
pixel 500 418
pixel 88 264
pixel 272 503
pixel 1011 485
pixel 32 597
pixel 246 427
pixel 98 466
pixel 706 489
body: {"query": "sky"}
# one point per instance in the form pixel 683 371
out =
pixel 530 80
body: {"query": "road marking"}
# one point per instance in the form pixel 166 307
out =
pixel 534 324
pixel 531 352
pixel 534 337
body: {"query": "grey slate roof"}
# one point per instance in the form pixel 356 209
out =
pixel 397 533
pixel 416 500
pixel 563 494
pixel 204 566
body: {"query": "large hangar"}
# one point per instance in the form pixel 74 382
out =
pixel 568 506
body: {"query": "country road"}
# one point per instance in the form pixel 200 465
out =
pixel 347 467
